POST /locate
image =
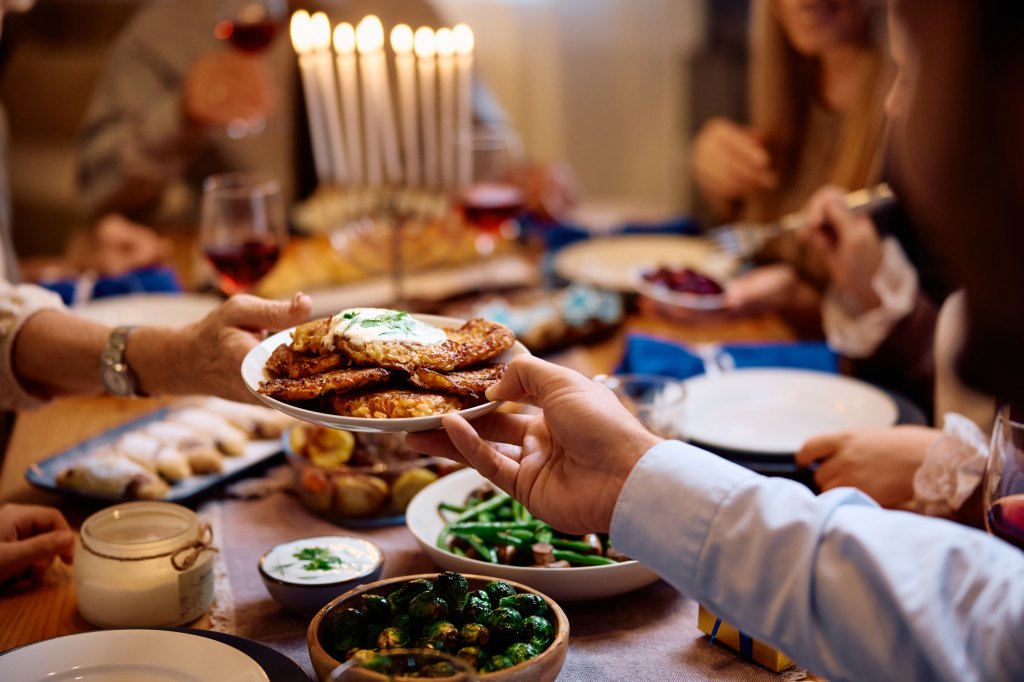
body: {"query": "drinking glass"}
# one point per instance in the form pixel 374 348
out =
pixel 406 664
pixel 1003 486
pixel 250 25
pixel 490 199
pixel 659 402
pixel 241 228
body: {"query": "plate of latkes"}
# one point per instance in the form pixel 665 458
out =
pixel 375 370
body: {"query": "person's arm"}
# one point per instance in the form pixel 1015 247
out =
pixel 851 591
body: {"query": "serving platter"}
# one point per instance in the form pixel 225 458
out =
pixel 774 411
pixel 253 372
pixel 141 655
pixel 563 584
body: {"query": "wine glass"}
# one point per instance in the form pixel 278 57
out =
pixel 1003 486
pixel 241 228
pixel 490 199
pixel 250 25
pixel 402 664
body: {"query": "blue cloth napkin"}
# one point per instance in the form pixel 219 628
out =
pixel 144 280
pixel 558 235
pixel 649 355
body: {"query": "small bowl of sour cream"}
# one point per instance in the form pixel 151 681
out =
pixel 302 575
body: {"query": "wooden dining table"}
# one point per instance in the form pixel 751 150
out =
pixel 46 609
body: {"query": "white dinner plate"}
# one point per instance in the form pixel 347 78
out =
pixel 130 655
pixel 610 262
pixel 774 411
pixel 253 373
pixel 561 584
pixel 148 309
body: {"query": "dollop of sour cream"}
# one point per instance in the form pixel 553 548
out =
pixel 322 560
pixel 362 325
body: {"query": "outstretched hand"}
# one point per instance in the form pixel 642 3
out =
pixel 31 536
pixel 568 464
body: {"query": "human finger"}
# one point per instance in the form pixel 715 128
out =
pixel 35 551
pixel 528 379
pixel 818 448
pixel 252 312
pixel 829 474
pixel 741 143
pixel 33 519
pixel 480 454
pixel 747 175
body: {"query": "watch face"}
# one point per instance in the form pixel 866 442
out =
pixel 116 383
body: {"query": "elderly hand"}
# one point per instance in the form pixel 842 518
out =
pixel 226 87
pixel 30 537
pixel 881 462
pixel 549 189
pixel 568 464
pixel 730 162
pixel 205 357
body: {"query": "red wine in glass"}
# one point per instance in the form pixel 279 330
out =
pixel 1005 519
pixel 248 36
pixel 489 205
pixel 245 264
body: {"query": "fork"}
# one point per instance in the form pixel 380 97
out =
pixel 742 240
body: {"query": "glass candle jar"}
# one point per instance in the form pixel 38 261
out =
pixel 144 564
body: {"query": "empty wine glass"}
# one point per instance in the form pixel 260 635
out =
pixel 1003 486
pixel 402 664
pixel 241 228
pixel 490 199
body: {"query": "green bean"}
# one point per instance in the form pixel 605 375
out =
pixel 447 506
pixel 486 552
pixel 471 513
pixel 572 545
pixel 495 525
pixel 519 512
pixel 582 559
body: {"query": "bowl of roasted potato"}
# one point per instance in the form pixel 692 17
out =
pixel 357 478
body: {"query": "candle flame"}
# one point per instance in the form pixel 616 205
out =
pixel 300 31
pixel 463 38
pixel 424 41
pixel 445 42
pixel 344 38
pixel 320 31
pixel 402 39
pixel 370 35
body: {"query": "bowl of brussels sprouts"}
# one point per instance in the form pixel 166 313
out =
pixel 507 631
pixel 465 524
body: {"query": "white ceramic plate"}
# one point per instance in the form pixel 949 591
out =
pixel 561 584
pixel 253 373
pixel 130 655
pixel 681 299
pixel 610 262
pixel 774 411
pixel 148 309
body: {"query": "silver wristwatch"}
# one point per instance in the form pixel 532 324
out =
pixel 115 374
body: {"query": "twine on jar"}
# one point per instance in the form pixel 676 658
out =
pixel 182 558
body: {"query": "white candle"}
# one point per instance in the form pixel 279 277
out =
pixel 427 67
pixel 320 40
pixel 463 37
pixel 445 44
pixel 402 44
pixel 300 33
pixel 348 85
pixel 365 42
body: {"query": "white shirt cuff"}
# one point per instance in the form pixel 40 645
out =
pixel 952 467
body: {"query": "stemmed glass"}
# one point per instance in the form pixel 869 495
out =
pixel 401 664
pixel 491 200
pixel 1004 481
pixel 241 228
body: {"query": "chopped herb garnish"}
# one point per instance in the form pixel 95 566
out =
pixel 318 559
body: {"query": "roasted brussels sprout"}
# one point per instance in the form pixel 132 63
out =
pixel 539 632
pixel 345 631
pixel 372 633
pixel 376 608
pixel 526 604
pixel 439 669
pixel 495 663
pixel 506 626
pixel 474 634
pixel 454 589
pixel 400 598
pixel 478 608
pixel 520 651
pixel 431 643
pixel 392 638
pixel 371 660
pixel 427 606
pixel 444 631
pixel 497 589
pixel 401 621
pixel 473 655
pixel 407 485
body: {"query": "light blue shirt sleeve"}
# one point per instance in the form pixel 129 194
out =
pixel 849 590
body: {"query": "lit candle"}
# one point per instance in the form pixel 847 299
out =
pixel 463 37
pixel 402 44
pixel 365 42
pixel 320 40
pixel 348 85
pixel 445 44
pixel 427 66
pixel 373 33
pixel 301 42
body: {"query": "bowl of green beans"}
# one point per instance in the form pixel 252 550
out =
pixel 464 524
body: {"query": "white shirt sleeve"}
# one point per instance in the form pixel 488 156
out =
pixel 952 467
pixel 859 334
pixel 849 590
pixel 17 304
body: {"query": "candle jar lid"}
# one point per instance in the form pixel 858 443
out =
pixel 139 529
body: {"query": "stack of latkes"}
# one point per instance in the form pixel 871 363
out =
pixel 387 379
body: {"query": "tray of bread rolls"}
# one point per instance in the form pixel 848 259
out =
pixel 173 454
